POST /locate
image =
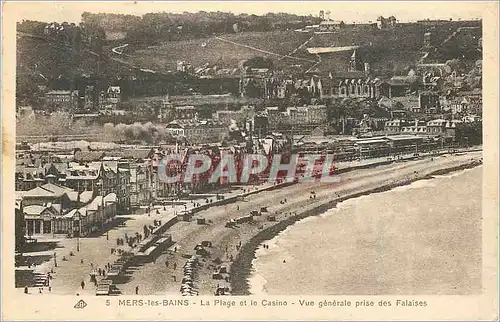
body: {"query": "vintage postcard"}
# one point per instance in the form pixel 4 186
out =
pixel 234 160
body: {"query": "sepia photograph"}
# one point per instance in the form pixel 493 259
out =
pixel 220 149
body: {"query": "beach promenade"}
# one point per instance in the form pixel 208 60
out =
pixel 156 278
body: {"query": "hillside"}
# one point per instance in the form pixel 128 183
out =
pixel 225 51
pixel 387 51
pixel 48 61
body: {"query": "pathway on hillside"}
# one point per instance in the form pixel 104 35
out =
pixel 119 50
pixel 263 51
pixel 315 64
pixel 298 48
pixel 455 33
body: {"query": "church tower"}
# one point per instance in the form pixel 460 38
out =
pixel 355 63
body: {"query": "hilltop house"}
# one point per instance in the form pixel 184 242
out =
pixel 331 25
pixel 386 23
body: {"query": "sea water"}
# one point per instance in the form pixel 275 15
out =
pixel 424 238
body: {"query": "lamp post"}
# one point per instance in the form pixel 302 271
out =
pixel 54 229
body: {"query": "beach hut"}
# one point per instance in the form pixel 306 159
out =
pixel 271 218
pixel 104 287
pixel 200 221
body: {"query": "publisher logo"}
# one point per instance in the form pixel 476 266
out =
pixel 80 305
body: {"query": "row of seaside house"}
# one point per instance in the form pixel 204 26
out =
pixel 75 198
pixel 133 180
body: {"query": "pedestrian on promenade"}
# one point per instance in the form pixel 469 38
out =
pixel 136 290
pixel 100 271
pixel 82 284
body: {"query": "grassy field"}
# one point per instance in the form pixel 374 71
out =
pixel 384 49
pixel 214 51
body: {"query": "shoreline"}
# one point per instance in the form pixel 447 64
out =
pixel 241 268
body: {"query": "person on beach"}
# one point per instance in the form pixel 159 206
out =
pixel 136 290
pixel 82 284
pixel 175 265
pixel 166 263
pixel 174 278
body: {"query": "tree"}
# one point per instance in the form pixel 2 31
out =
pixel 258 62
pixel 469 133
